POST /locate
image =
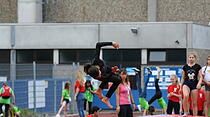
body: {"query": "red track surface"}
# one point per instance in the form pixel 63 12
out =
pixel 111 115
pixel 138 115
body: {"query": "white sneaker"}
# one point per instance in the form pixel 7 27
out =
pixel 139 107
pixel 158 69
pixel 57 115
pixel 185 114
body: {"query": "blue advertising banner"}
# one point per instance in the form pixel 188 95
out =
pixel 164 76
pixel 164 82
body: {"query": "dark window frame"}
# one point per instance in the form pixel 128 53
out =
pixel 77 52
pixel 167 62
pixel 124 63
pixel 8 56
pixel 34 56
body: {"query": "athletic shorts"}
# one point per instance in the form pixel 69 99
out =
pixel 66 100
pixel 207 87
pixel 144 104
pixel 191 84
pixel 162 103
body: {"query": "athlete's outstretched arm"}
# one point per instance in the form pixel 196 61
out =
pixel 101 44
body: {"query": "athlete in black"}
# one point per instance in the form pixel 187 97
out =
pixel 102 72
pixel 191 83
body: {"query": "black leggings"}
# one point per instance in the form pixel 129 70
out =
pixel 125 111
pixel 6 109
pixel 112 78
pixel 89 106
pixel 173 105
pixel 200 113
pixel 158 93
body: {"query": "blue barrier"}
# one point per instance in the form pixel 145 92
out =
pixel 21 90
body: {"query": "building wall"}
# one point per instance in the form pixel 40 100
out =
pixel 8 11
pixel 113 11
pixel 200 36
pixel 202 55
pixel 95 11
pixel 183 10
pixel 63 36
pixel 126 11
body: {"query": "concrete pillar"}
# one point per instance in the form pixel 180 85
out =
pixel 152 10
pixel 13 56
pixel 144 56
pixel 29 11
pixel 55 56
pixel 13 66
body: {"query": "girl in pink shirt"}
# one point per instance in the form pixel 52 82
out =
pixel 124 98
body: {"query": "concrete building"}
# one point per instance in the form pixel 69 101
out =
pixel 57 34
pixel 141 44
pixel 77 11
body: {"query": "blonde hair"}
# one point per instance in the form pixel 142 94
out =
pixel 176 78
pixel 192 54
pixel 80 77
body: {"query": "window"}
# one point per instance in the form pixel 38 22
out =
pixel 40 56
pixel 156 56
pixel 5 64
pixel 111 55
pixel 67 56
pixel 5 56
pixel 167 56
pixel 76 55
pixel 176 55
pixel 125 57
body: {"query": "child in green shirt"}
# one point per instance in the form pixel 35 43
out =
pixel 15 110
pixel 88 95
pixel 65 99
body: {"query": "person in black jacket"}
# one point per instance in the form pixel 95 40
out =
pixel 102 72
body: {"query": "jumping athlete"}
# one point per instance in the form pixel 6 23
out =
pixel 100 71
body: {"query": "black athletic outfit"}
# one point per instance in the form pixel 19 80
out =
pixel 106 71
pixel 191 75
pixel 158 93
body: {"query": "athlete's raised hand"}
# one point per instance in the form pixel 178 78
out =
pixel 115 45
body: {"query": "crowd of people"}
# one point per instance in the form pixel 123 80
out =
pixel 189 96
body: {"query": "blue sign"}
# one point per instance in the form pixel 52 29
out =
pixel 165 74
pixel 163 82
pixel 130 71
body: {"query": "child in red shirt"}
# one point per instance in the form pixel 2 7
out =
pixel 79 90
pixel 173 96
pixel 200 102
